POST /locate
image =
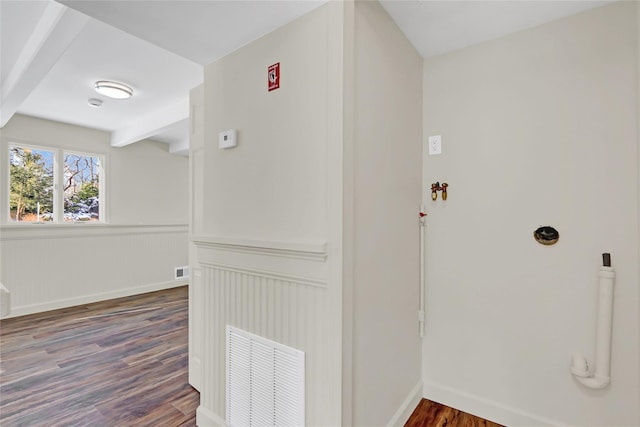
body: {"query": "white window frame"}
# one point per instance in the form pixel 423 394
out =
pixel 58 179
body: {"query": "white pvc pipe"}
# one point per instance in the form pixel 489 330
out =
pixel 601 377
pixel 422 271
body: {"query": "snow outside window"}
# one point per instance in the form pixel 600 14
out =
pixel 81 186
pixel 53 185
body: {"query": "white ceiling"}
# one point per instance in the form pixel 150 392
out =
pixel 436 27
pixel 52 54
pixel 201 31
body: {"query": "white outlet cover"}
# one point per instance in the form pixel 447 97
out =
pixel 435 145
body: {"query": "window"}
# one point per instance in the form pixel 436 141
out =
pixel 81 187
pixel 42 191
pixel 30 184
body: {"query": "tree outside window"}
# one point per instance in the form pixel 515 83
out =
pixel 81 188
pixel 35 176
pixel 31 184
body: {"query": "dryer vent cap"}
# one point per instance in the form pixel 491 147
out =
pixel 546 235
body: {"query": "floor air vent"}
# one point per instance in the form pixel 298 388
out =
pixel 265 382
pixel 181 272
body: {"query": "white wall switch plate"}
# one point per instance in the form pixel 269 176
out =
pixel 435 145
pixel 227 139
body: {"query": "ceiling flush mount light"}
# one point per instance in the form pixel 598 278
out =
pixel 113 89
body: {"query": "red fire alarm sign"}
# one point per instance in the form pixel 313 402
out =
pixel 274 76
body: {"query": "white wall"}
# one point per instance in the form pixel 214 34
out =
pixel 387 196
pixel 260 210
pixel 136 251
pixel 307 231
pixel 161 192
pixel 273 184
pixel 539 128
pixel 63 267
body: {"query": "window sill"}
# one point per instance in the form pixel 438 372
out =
pixel 25 224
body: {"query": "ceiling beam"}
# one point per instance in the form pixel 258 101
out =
pixel 151 124
pixel 55 31
pixel 180 148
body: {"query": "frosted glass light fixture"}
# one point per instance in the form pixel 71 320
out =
pixel 113 89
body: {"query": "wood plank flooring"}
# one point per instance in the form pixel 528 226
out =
pixel 432 414
pixel 115 363
pixel 119 363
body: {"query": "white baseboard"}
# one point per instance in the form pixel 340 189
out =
pixel 207 418
pixel 88 299
pixel 484 408
pixel 405 410
pixel 195 372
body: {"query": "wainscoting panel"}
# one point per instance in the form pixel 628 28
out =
pixel 50 267
pixel 288 308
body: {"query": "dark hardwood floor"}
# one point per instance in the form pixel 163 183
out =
pixel 121 362
pixel 115 363
pixel 432 414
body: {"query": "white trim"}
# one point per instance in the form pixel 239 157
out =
pixel 340 132
pixel 88 299
pixel 194 155
pixel 58 186
pixel 5 166
pixel 289 278
pixel 207 418
pixel 196 369
pixel 409 405
pixel 5 301
pixel 60 231
pixel 196 328
pixel 307 250
pixel 484 408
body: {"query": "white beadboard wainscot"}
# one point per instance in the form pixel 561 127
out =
pixel 277 290
pixel 48 266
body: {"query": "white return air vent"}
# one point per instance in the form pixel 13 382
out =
pixel 265 382
pixel 181 272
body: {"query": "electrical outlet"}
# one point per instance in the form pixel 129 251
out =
pixel 435 145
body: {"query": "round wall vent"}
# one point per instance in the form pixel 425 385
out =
pixel 546 235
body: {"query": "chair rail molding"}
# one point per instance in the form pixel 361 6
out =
pixel 295 262
pixel 62 231
pixel 305 250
